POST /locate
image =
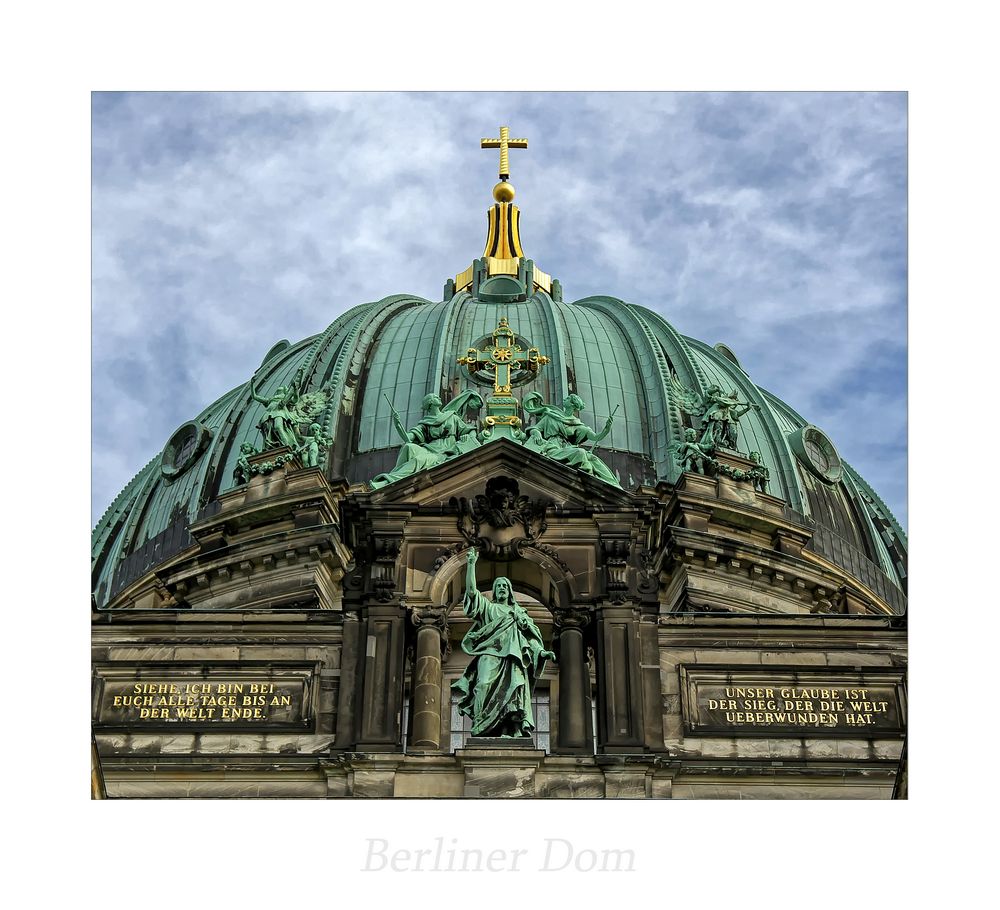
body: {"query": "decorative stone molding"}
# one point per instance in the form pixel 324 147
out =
pixel 500 522
pixel 383 569
pixel 616 552
pixel 703 562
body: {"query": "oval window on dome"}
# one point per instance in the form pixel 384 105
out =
pixel 727 352
pixel 817 452
pixel 278 348
pixel 183 449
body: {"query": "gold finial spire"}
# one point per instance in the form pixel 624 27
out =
pixel 504 241
pixel 503 254
pixel 500 192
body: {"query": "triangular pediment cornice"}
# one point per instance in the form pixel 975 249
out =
pixel 537 476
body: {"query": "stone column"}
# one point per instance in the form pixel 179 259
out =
pixel 425 702
pixel 649 667
pixel 574 685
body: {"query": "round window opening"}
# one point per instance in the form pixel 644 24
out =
pixel 183 449
pixel 815 449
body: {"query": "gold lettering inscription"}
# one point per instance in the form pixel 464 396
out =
pixel 797 708
pixel 253 702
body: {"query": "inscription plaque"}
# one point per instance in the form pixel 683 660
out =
pixel 787 701
pixel 156 696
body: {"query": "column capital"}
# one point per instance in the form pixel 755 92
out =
pixel 433 616
pixel 571 618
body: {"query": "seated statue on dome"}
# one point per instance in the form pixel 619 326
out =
pixel 440 435
pixel 559 434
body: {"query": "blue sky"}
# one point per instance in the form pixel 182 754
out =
pixel 773 222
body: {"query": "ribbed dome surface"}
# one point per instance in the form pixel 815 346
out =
pixel 611 353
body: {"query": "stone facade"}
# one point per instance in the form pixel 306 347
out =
pixel 304 643
pixel 287 622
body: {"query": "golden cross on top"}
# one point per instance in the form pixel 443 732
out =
pixel 504 143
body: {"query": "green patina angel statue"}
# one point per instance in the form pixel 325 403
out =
pixel 508 656
pixel 441 434
pixel 721 418
pixel 559 434
pixel 286 411
pixel 719 411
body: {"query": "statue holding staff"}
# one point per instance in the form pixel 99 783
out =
pixel 436 438
pixel 559 434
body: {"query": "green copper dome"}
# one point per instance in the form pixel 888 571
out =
pixel 614 354
pixel 623 360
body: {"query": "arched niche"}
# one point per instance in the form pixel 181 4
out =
pixel 535 574
pixel 540 587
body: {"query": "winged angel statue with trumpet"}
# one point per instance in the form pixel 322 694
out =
pixel 719 412
pixel 287 411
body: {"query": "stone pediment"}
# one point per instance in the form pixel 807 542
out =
pixel 538 477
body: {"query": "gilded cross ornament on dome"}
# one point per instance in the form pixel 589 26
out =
pixel 504 239
pixel 503 357
pixel 504 143
pixel 500 360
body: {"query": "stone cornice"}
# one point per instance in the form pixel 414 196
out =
pixel 814 587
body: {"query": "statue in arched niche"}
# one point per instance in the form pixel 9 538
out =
pixel 508 656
